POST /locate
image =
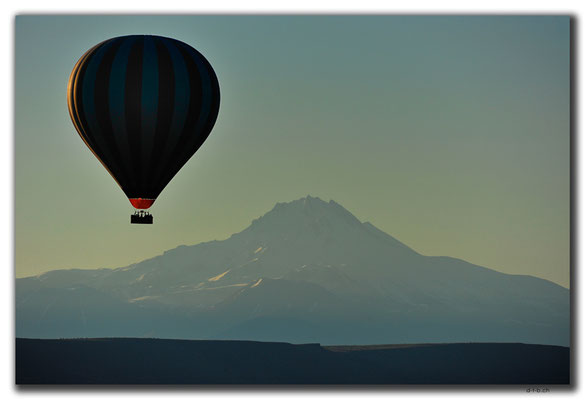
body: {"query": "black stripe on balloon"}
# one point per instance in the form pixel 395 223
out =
pixel 166 99
pixel 102 110
pixel 180 108
pixel 77 104
pixel 117 109
pixel 80 109
pixel 215 100
pixel 177 158
pixel 74 99
pixel 149 105
pixel 204 127
pixel 132 96
pixel 93 130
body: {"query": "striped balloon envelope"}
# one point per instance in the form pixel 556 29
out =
pixel 143 105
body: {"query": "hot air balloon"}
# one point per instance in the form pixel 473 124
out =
pixel 143 105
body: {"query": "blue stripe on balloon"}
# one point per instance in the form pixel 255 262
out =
pixel 116 100
pixel 88 99
pixel 149 103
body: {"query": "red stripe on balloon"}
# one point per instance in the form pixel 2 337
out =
pixel 141 204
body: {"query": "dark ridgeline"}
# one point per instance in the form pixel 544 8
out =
pixel 163 361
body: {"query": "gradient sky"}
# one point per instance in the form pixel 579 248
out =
pixel 449 133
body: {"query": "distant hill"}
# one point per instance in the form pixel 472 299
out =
pixel 306 271
pixel 155 361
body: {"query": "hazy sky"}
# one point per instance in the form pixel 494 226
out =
pixel 449 133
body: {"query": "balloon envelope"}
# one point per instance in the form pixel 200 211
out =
pixel 143 105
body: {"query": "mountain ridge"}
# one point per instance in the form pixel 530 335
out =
pixel 312 261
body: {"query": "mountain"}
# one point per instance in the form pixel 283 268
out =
pixel 306 271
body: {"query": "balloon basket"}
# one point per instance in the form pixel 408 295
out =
pixel 141 217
